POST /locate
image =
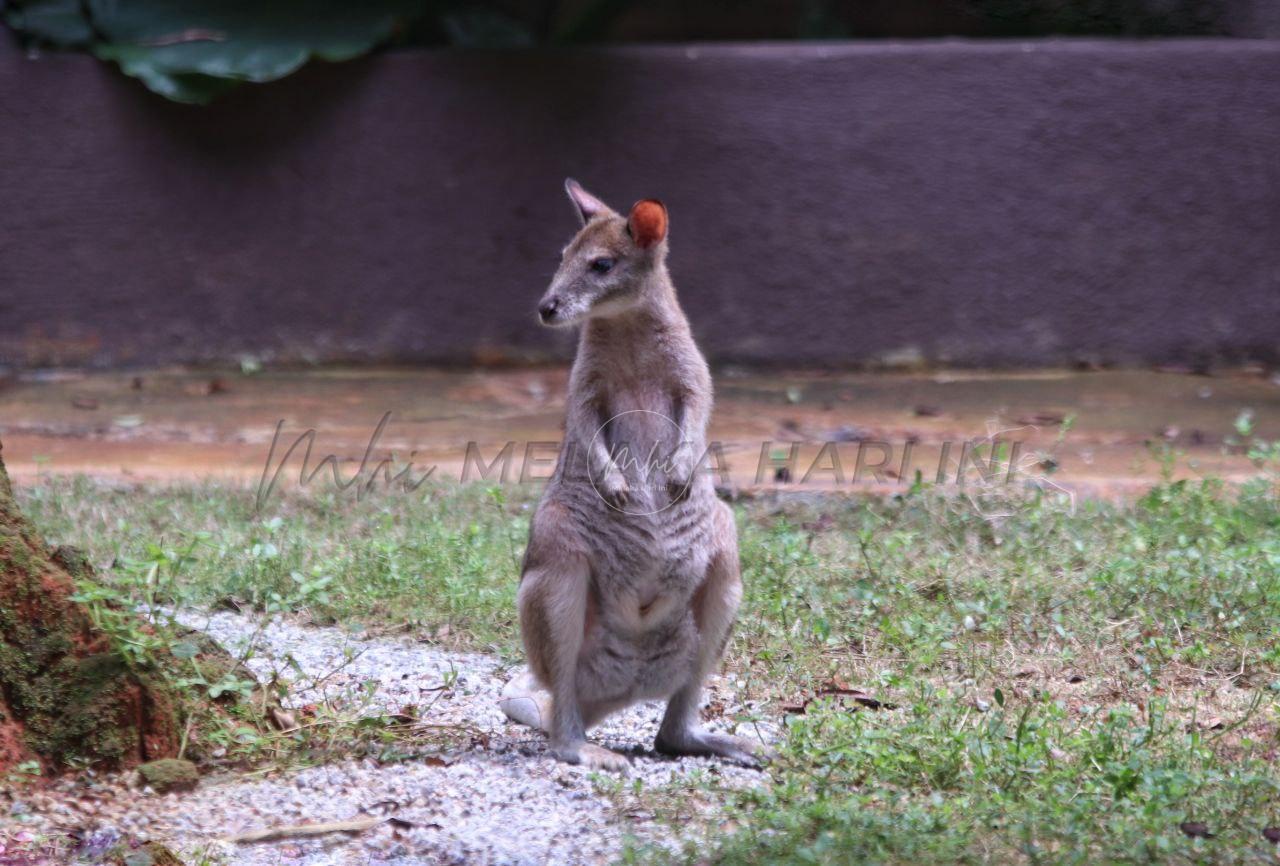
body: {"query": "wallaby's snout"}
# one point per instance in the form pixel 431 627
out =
pixel 547 309
pixel 605 268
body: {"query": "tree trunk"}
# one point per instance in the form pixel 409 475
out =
pixel 66 696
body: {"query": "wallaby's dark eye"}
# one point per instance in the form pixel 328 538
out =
pixel 602 266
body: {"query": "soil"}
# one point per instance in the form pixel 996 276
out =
pixel 1105 433
pixel 66 696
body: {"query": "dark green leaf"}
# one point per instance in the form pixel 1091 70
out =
pixel 193 51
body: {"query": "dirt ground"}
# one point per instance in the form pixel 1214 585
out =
pixel 1094 432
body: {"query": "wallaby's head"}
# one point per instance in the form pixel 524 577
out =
pixel 605 269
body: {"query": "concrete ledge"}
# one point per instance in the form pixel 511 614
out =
pixel 976 203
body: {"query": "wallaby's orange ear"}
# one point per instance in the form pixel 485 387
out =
pixel 648 222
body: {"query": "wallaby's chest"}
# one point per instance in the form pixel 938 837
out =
pixel 640 409
pixel 640 397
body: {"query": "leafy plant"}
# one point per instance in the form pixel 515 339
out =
pixel 193 51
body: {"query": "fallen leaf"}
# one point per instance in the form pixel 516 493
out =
pixel 407 715
pixel 231 603
pixel 835 687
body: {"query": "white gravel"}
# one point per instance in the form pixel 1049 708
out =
pixel 501 801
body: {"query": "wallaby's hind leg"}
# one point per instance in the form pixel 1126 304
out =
pixel 553 612
pixel 715 605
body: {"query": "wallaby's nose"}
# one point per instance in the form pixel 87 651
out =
pixel 547 309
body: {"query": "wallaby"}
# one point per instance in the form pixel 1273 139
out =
pixel 630 582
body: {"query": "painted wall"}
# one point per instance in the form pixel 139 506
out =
pixel 1010 203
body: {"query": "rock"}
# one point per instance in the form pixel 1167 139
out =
pixel 170 774
pixel 146 854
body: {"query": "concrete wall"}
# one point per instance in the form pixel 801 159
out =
pixel 975 203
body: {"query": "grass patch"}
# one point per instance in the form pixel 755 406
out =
pixel 1033 781
pixel 1073 685
pixel 449 556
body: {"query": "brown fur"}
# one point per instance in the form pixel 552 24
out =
pixel 630 582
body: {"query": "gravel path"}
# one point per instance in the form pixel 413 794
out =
pixel 503 802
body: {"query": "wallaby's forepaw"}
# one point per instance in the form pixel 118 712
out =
pixel 680 474
pixel 678 488
pixel 592 756
pixel 739 750
pixel 615 490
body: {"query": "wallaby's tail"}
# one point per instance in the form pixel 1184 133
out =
pixel 525 702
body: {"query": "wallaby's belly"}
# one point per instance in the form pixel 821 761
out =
pixel 643 638
pixel 623 667
pixel 640 639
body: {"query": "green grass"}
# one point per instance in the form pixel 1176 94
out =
pixel 447 556
pixel 1033 781
pixel 1072 684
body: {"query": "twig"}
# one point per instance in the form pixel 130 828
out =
pixel 186 734
pixel 269 834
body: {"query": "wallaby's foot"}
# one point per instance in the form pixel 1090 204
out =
pixel 592 756
pixel 739 750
